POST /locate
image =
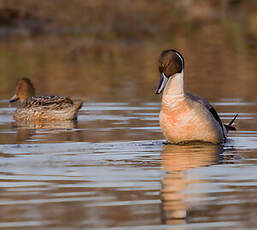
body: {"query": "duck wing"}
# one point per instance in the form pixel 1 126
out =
pixel 46 100
pixel 207 105
pixel 211 109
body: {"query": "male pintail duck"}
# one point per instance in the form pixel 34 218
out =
pixel 185 117
pixel 47 108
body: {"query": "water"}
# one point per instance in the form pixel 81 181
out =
pixel 111 170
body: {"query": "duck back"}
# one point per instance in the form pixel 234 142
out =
pixel 47 108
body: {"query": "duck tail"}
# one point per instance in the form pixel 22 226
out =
pixel 230 126
pixel 77 106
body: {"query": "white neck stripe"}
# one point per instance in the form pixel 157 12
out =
pixel 181 59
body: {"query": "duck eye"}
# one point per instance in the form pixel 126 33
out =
pixel 169 64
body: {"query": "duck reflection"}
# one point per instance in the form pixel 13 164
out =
pixel 25 130
pixel 176 159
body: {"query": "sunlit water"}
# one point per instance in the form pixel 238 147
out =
pixel 111 170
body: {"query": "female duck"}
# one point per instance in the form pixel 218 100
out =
pixel 47 108
pixel 185 117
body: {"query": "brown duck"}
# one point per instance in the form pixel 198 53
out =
pixel 45 107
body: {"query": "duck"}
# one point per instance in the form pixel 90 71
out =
pixel 44 107
pixel 185 117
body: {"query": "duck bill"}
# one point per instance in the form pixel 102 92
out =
pixel 13 98
pixel 162 83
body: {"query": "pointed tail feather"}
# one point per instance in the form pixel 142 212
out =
pixel 79 105
pixel 229 126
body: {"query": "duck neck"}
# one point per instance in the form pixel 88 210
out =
pixel 175 86
pixel 173 95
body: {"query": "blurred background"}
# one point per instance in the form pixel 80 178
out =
pixel 110 169
pixel 100 50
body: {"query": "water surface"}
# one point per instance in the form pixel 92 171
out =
pixel 111 170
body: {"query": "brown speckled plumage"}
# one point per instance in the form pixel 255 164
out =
pixel 43 107
pixel 46 100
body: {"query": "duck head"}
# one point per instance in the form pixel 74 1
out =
pixel 171 63
pixel 24 89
